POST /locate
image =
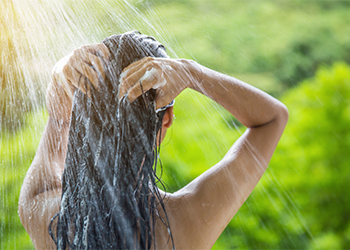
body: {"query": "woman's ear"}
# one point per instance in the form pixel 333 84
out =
pixel 168 117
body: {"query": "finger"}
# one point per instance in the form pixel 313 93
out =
pixel 162 98
pixel 84 85
pixel 96 62
pixel 81 84
pixel 132 68
pixel 98 49
pixel 62 83
pixel 145 73
pixel 126 82
pixel 137 64
pixel 68 78
pixel 70 74
pixel 88 87
pixel 86 70
pixel 140 88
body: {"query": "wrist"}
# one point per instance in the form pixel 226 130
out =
pixel 195 72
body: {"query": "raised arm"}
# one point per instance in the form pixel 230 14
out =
pixel 200 211
pixel 225 187
pixel 40 196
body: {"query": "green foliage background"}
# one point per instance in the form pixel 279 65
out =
pixel 292 50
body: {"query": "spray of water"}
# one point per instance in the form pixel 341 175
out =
pixel 36 34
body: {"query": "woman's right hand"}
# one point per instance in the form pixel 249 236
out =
pixel 71 72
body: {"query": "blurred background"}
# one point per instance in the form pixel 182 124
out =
pixel 296 50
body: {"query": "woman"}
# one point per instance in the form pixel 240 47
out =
pixel 193 217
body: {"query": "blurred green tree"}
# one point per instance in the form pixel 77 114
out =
pixel 312 160
pixel 308 50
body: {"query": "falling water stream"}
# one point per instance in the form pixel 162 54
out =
pixel 34 36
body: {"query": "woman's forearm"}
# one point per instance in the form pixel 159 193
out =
pixel 251 106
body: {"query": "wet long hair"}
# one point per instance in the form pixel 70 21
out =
pixel 109 195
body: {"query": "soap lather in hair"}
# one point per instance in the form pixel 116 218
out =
pixel 94 171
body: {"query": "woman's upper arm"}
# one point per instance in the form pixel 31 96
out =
pixel 207 204
pixel 39 201
pixel 41 190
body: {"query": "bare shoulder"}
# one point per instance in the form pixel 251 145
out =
pixel 199 212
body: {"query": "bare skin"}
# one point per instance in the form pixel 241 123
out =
pixel 199 212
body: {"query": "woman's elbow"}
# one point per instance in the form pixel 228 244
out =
pixel 284 113
pixel 282 116
pixel 24 207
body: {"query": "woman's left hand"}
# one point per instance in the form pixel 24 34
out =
pixel 169 77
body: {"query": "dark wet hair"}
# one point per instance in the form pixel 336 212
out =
pixel 109 195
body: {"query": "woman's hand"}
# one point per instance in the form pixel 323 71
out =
pixel 71 72
pixel 169 77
